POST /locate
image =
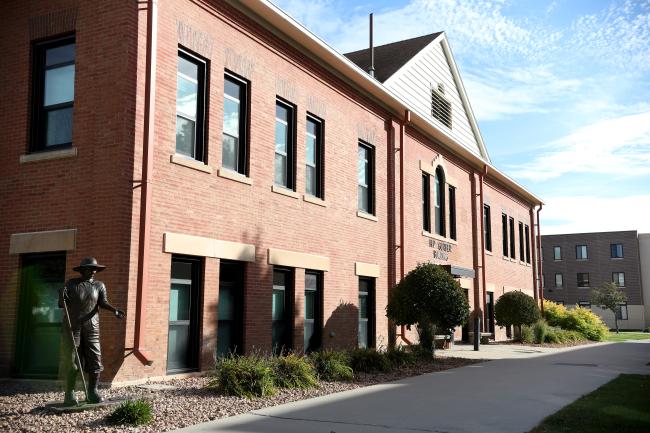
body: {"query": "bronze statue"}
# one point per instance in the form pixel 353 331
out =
pixel 81 298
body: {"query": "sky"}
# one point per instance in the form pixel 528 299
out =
pixel 560 89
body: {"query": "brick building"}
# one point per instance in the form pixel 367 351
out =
pixel 248 187
pixel 574 263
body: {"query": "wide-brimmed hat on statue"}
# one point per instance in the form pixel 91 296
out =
pixel 89 262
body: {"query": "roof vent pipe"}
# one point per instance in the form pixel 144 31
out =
pixel 371 71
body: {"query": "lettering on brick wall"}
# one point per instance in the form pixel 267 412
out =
pixel 367 134
pixel 239 63
pixel 52 23
pixel 441 250
pixel 286 89
pixel 316 106
pixel 193 39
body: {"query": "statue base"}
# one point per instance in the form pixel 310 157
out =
pixel 58 406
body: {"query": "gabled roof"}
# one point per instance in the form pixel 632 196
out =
pixel 391 57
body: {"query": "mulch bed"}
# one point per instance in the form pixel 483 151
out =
pixel 189 402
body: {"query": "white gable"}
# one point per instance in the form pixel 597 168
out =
pixel 432 66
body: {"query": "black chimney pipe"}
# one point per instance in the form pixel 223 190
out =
pixel 371 71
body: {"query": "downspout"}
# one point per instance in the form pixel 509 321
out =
pixel 402 126
pixel 531 239
pixel 539 261
pixel 145 194
pixel 477 276
pixel 483 278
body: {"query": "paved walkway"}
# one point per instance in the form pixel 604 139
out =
pixel 500 396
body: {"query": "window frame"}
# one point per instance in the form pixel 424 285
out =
pixel 320 155
pixel 561 286
pixel 614 255
pixel 512 243
pixel 619 279
pixel 370 167
pixel 289 306
pixel 619 311
pixel 370 310
pixel 317 321
pixel 38 121
pixel 584 304
pixel 487 227
pixel 527 234
pixel 582 283
pixel 522 248
pixel 426 202
pixel 557 249
pixel 439 202
pixel 451 191
pixel 504 235
pixel 290 145
pixel 243 159
pixel 579 250
pixel 200 126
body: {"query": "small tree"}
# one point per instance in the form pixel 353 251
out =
pixel 516 308
pixel 608 296
pixel 430 298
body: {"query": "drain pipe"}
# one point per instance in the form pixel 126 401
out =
pixel 539 260
pixel 477 278
pixel 402 126
pixel 531 239
pixel 145 193
pixel 483 278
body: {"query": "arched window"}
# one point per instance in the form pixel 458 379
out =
pixel 440 201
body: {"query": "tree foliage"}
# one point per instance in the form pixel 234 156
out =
pixel 516 308
pixel 430 298
pixel 608 296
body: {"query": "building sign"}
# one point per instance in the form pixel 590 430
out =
pixel 441 250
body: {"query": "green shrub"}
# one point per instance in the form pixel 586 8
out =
pixel 421 353
pixel 399 357
pixel 516 308
pixel 332 365
pixel 581 320
pixel 244 376
pixel 540 328
pixel 132 412
pixel 369 361
pixel 293 371
pixel 562 336
pixel 527 334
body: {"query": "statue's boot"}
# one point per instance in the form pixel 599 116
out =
pixel 93 395
pixel 70 381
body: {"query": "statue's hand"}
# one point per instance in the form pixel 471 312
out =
pixel 119 314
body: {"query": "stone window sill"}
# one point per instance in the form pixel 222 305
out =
pixel 367 216
pixel 439 238
pixel 314 200
pixel 190 163
pixel 47 155
pixel 284 191
pixel 233 175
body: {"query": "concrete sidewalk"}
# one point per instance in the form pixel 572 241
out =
pixel 501 396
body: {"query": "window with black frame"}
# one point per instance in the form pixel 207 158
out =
pixel 53 94
pixel 366 178
pixel 452 212
pixel 282 310
pixel 583 279
pixel 234 151
pixel 284 167
pixel 366 312
pixel 190 105
pixel 426 203
pixel 487 227
pixel 314 157
pixel 313 311
pixel 439 202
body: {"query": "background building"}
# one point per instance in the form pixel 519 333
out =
pixel 248 187
pixel 573 264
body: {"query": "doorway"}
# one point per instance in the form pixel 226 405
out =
pixel 230 325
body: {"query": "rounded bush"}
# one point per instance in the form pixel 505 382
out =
pixel 293 371
pixel 244 376
pixel 369 361
pixel 132 412
pixel 516 308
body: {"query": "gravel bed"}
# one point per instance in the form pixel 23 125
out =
pixel 190 402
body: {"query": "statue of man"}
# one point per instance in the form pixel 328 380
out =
pixel 83 296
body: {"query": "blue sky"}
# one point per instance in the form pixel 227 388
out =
pixel 561 91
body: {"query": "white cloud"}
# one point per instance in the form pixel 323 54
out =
pixel 582 214
pixel 613 146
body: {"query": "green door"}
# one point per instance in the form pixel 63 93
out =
pixel 39 321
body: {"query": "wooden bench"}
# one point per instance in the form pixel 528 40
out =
pixel 442 341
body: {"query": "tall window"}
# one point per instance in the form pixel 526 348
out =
pixel 235 124
pixel 616 251
pixel 583 279
pixel 282 310
pixel 557 253
pixel 522 248
pixel 504 234
pixel 284 144
pixel 190 105
pixel 440 202
pixel 313 311
pixel 314 163
pixel 53 90
pixel 618 278
pixel 366 178
pixel 487 227
pixel 559 282
pixel 581 252
pixel 366 312
pixel 527 234
pixel 452 212
pixel 511 228
pixel 426 203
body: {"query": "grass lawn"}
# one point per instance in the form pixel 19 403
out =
pixel 622 336
pixel 619 406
